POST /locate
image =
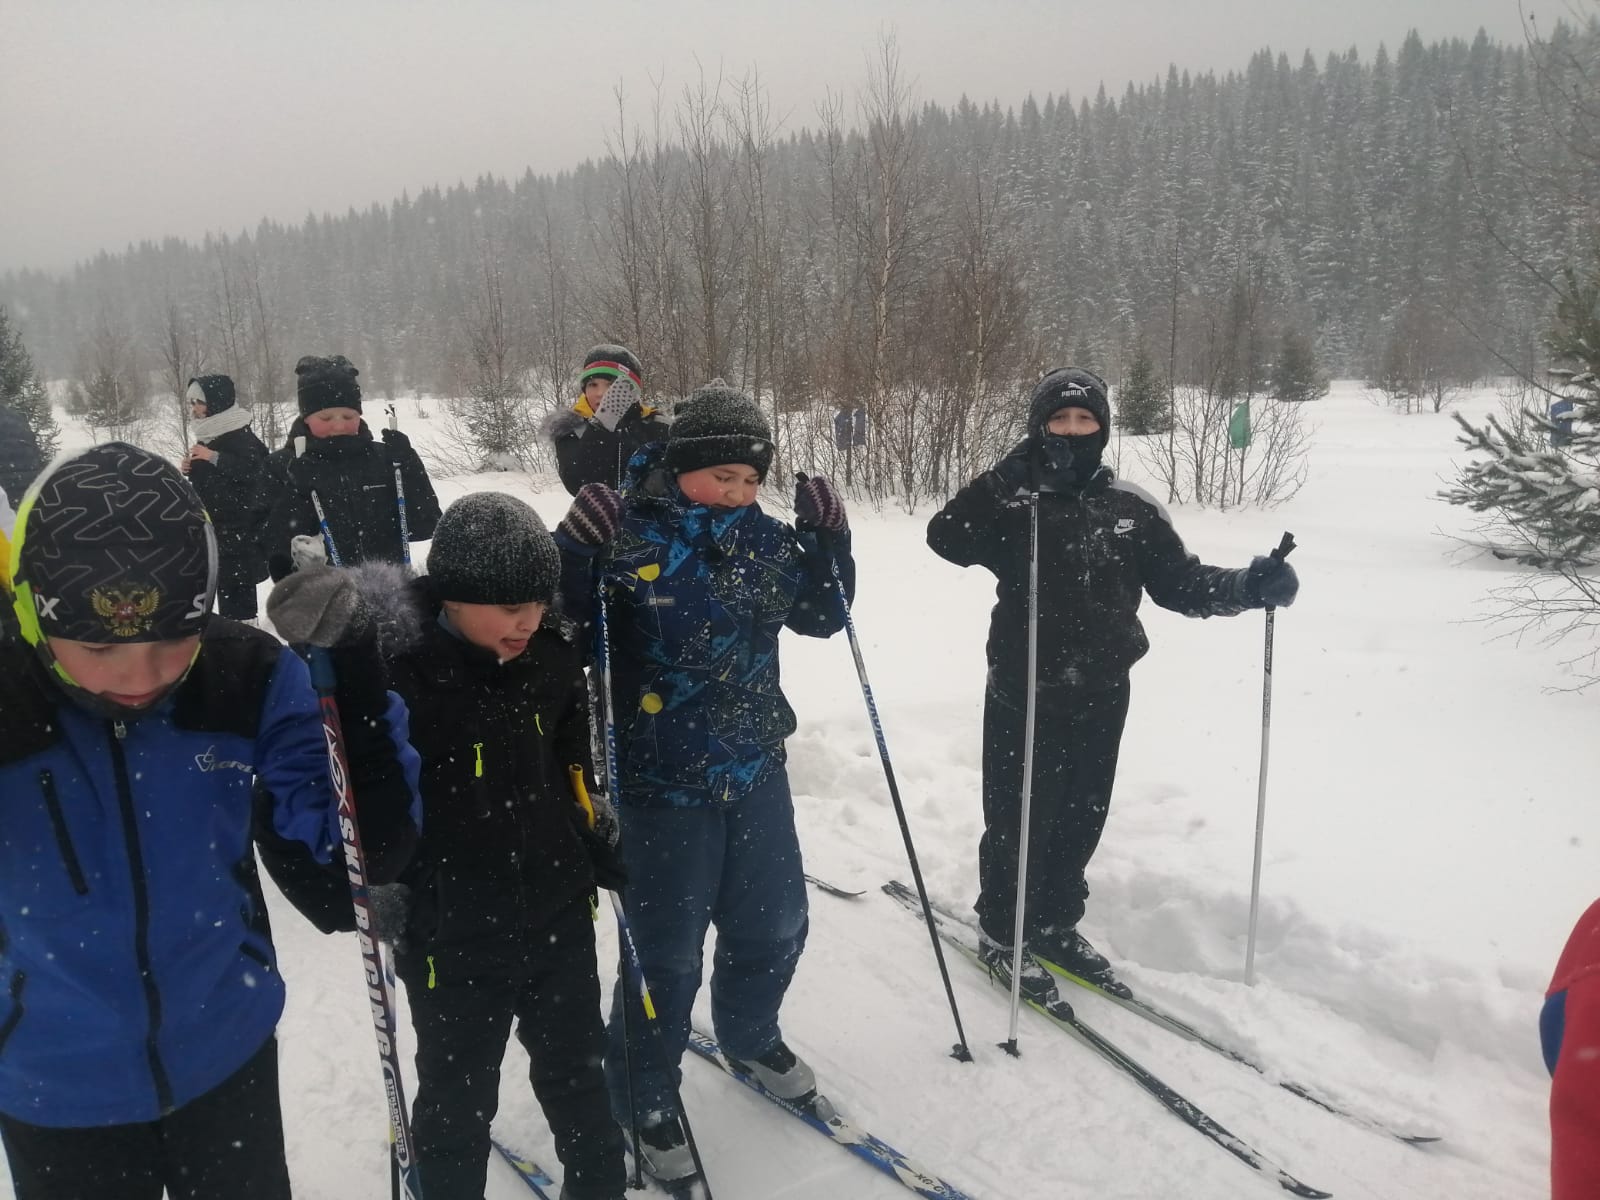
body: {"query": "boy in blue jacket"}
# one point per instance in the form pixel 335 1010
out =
pixel 139 990
pixel 699 582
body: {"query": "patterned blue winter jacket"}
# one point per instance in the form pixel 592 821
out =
pixel 137 970
pixel 696 598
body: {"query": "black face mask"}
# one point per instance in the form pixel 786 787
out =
pixel 1070 459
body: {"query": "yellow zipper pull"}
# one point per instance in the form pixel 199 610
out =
pixel 433 980
pixel 477 769
pixel 538 724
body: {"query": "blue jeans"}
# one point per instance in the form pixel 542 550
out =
pixel 737 867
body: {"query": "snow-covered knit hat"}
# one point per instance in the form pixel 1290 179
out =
pixel 327 383
pixel 718 424
pixel 490 548
pixel 1069 387
pixel 609 361
pixel 214 391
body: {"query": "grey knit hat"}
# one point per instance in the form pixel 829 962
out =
pixel 718 424
pixel 490 548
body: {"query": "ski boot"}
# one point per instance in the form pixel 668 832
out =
pixel 1070 953
pixel 1038 985
pixel 664 1152
pixel 782 1073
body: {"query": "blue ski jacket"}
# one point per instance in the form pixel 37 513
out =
pixel 137 969
pixel 696 598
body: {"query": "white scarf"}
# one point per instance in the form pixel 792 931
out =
pixel 207 429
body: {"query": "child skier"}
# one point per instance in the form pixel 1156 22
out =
pixel 1569 1028
pixel 500 926
pixel 699 581
pixel 1102 542
pixel 225 467
pixel 331 454
pixel 137 1048
pixel 594 439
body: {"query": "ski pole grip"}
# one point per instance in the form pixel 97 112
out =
pixel 1284 546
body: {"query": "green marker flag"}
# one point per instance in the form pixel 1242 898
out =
pixel 1239 426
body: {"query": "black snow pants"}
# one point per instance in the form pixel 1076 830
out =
pixel 1076 738
pixel 550 985
pixel 224 1145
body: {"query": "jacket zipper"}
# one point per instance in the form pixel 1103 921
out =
pixel 58 821
pixel 141 915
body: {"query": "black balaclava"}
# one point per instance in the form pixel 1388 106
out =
pixel 1070 459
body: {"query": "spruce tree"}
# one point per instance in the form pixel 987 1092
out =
pixel 21 390
pixel 1143 405
pixel 1541 487
pixel 1296 375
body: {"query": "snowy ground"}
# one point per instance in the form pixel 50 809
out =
pixel 1429 844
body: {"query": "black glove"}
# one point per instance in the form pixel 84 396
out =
pixel 393 437
pixel 1270 582
pixel 390 906
pixel 594 518
pixel 609 872
pixel 818 505
pixel 1017 471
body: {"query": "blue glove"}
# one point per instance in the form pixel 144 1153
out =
pixel 1270 582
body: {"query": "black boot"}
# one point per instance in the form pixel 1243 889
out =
pixel 1037 983
pixel 1069 953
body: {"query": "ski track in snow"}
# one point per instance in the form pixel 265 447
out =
pixel 1427 852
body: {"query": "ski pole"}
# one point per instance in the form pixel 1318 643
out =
pixel 633 965
pixel 1281 553
pixel 327 533
pixel 400 500
pixel 1024 821
pixel 959 1051
pixel 379 993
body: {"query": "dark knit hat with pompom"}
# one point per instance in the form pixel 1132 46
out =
pixel 718 424
pixel 327 383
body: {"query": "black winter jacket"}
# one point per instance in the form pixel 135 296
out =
pixel 1100 547
pixel 354 478
pixel 500 854
pixel 588 452
pixel 230 486
pixel 20 459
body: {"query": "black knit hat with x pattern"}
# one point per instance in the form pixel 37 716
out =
pixel 114 546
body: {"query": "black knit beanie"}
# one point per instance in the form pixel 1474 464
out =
pixel 214 391
pixel 327 383
pixel 717 424
pixel 1069 387
pixel 609 361
pixel 490 548
pixel 113 546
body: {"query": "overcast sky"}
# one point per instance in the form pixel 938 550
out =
pixel 129 119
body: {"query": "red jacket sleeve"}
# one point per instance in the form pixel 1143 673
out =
pixel 1575 1085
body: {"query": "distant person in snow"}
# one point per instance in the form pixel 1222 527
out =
pixel 699 582
pixel 1569 1029
pixel 138 1050
pixel 225 465
pixel 595 438
pixel 496 924
pixel 330 454
pixel 20 456
pixel 1102 543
